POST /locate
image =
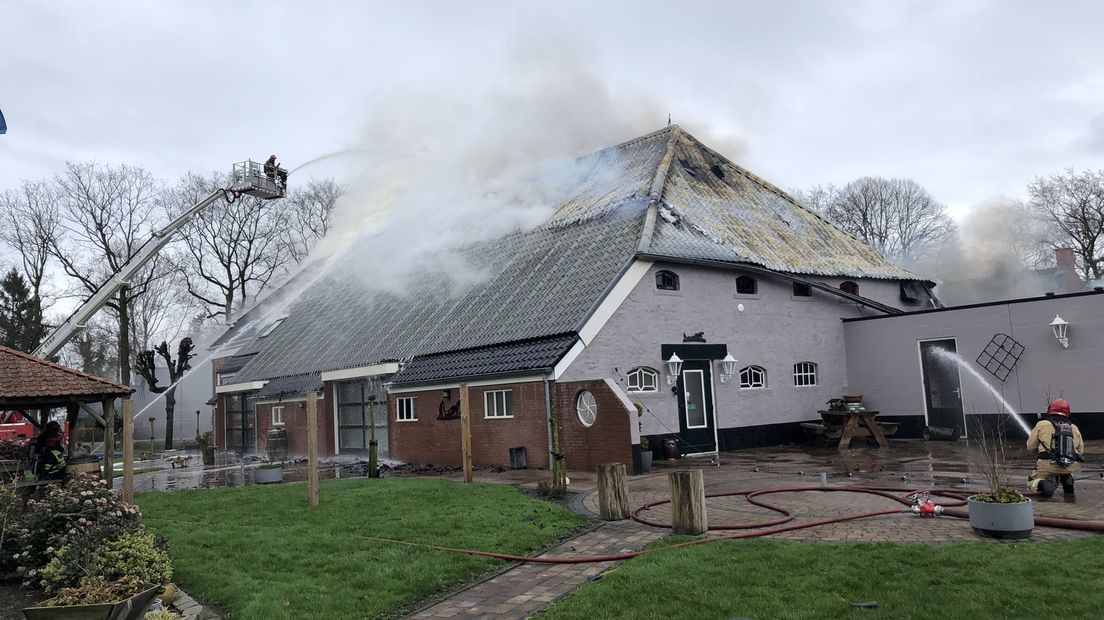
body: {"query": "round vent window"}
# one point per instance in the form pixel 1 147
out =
pixel 587 408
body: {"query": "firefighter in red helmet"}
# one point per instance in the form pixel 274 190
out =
pixel 1057 445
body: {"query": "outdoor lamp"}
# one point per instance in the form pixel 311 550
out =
pixel 674 367
pixel 1060 326
pixel 728 367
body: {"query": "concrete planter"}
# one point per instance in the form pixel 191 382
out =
pixel 132 608
pixel 645 462
pixel 268 475
pixel 1012 521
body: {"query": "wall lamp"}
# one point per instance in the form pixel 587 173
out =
pixel 728 367
pixel 1060 327
pixel 674 367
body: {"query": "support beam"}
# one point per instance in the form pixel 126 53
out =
pixel 109 443
pixel 688 502
pixel 465 432
pixel 128 450
pixel 71 412
pixel 613 494
pixel 312 449
pixel 95 416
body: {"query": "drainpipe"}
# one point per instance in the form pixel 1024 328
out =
pixel 548 420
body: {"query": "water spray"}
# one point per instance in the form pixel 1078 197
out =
pixel 954 357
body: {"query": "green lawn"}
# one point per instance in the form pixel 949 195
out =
pixel 261 552
pixel 773 579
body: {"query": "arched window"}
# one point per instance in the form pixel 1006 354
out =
pixel 805 373
pixel 643 379
pixel 849 287
pixel 667 280
pixel 746 285
pixel 753 377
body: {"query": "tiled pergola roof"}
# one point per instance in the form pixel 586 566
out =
pixel 29 382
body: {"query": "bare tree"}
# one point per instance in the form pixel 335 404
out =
pixel 146 366
pixel 29 220
pixel 92 351
pixel 308 214
pixel 108 212
pixel 898 217
pixel 1072 204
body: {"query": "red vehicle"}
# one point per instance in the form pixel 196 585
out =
pixel 14 427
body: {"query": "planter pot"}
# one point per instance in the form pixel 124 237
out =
pixel 645 462
pixel 209 455
pixel 268 476
pixel 132 608
pixel 1012 521
pixel 670 449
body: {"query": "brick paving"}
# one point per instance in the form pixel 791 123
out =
pixel 524 589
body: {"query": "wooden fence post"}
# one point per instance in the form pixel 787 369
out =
pixel 465 432
pixel 128 450
pixel 312 449
pixel 688 502
pixel 613 496
pixel 109 442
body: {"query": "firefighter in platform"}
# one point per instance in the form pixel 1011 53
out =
pixel 1057 445
pixel 50 453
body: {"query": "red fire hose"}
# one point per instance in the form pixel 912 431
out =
pixel 957 497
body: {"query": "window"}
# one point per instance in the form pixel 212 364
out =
pixel 753 377
pixel 643 379
pixel 801 289
pixel 498 404
pixel 272 328
pixel 404 408
pixel 587 408
pixel 361 413
pixel 849 287
pixel 805 373
pixel 746 285
pixel 277 415
pixel 667 281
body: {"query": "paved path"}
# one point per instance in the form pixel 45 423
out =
pixel 526 588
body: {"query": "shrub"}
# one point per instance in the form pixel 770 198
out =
pixel 83 513
pixel 137 554
pixel 94 590
pixel 162 614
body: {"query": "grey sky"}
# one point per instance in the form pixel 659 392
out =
pixel 971 99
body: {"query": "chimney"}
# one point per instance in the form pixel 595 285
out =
pixel 1065 275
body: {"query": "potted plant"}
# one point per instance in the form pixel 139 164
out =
pixel 206 447
pixel 645 456
pixel 269 473
pixel 1002 512
pixel 123 599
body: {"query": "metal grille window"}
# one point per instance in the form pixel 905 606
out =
pixel 753 377
pixel 643 379
pixel 586 406
pixel 361 413
pixel 405 410
pixel 277 415
pixel 1000 356
pixel 240 418
pixel 746 285
pixel 805 373
pixel 498 404
pixel 667 281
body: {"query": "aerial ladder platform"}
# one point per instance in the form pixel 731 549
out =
pixel 247 178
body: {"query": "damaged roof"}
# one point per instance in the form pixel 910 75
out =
pixel 663 195
pixel 494 360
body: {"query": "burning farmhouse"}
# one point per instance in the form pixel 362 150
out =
pixel 671 295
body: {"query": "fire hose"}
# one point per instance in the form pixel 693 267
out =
pixel 957 499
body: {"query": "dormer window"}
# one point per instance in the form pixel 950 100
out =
pixel 746 285
pixel 667 280
pixel 849 287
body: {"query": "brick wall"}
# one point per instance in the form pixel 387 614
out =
pixel 430 440
pixel 608 440
pixel 295 423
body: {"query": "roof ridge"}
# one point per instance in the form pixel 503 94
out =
pixel 63 368
pixel 655 190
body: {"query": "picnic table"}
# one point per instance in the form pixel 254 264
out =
pixel 848 425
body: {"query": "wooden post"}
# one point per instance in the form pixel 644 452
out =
pixel 109 442
pixel 128 450
pixel 465 432
pixel 559 461
pixel 312 448
pixel 71 413
pixel 613 495
pixel 688 502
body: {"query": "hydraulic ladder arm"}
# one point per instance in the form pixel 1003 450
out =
pixel 247 178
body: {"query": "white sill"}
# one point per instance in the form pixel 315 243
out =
pixel 754 389
pixel 643 391
pixel 277 424
pixel 805 387
pixel 498 417
pixel 414 420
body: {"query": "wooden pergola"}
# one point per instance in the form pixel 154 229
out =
pixel 35 386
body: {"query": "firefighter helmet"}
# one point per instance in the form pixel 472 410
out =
pixel 1059 406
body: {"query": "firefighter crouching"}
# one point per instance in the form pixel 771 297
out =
pixel 50 454
pixel 1058 446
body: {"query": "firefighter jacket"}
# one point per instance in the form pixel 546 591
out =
pixel 1041 440
pixel 51 462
